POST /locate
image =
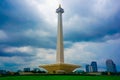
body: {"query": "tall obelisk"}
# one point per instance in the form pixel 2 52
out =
pixel 59 66
pixel 60 46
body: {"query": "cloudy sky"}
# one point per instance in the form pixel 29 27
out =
pixel 28 31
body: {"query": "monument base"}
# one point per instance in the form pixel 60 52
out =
pixel 61 68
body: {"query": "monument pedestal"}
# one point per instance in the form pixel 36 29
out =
pixel 60 68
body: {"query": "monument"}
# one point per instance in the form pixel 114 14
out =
pixel 59 66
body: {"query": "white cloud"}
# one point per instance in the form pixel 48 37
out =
pixel 80 53
pixel 38 33
pixel 112 37
pixel 82 14
pixel 3 35
pixel 77 53
pixel 79 23
pixel 17 60
pixel 42 54
pixel 45 9
pixel 85 52
pixel 105 8
pixel 24 49
pixel 48 55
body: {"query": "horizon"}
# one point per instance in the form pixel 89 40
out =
pixel 28 32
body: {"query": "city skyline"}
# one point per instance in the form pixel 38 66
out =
pixel 92 67
pixel 28 31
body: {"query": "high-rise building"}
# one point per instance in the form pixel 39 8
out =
pixel 94 66
pixel 111 67
pixel 89 68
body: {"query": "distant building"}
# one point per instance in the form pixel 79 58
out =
pixel 94 66
pixel 89 68
pixel 111 67
pixel 26 69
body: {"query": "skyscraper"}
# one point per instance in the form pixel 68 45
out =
pixel 94 66
pixel 89 68
pixel 111 67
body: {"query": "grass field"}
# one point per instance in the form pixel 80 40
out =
pixel 62 77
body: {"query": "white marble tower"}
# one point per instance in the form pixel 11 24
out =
pixel 60 46
pixel 60 67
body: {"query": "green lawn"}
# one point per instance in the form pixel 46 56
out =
pixel 62 77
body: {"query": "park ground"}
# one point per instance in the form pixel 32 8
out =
pixel 60 77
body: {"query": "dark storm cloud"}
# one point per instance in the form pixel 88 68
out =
pixel 26 23
pixel 21 40
pixel 15 20
pixel 3 54
pixel 93 33
pixel 17 17
pixel 92 20
pixel 13 54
